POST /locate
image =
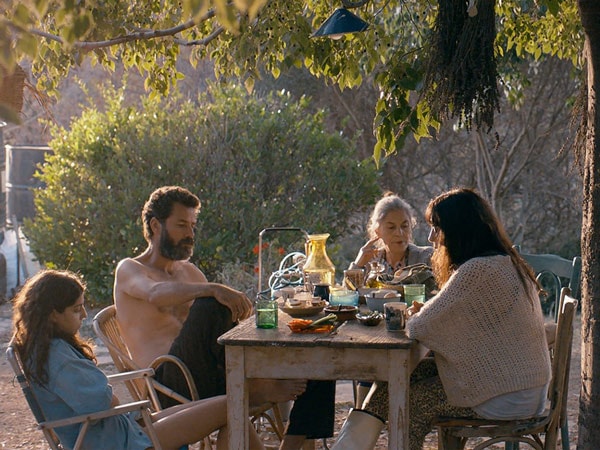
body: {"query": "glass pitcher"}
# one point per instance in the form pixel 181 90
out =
pixel 318 268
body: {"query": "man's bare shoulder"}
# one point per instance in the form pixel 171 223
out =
pixel 131 265
pixel 140 262
pixel 139 266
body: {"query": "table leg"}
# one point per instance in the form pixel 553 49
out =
pixel 237 399
pixel 398 384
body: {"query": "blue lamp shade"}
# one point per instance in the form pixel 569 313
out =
pixel 339 23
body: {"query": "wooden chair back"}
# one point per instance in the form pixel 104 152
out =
pixel 453 433
pixel 106 327
pixel 48 426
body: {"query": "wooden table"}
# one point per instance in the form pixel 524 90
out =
pixel 352 352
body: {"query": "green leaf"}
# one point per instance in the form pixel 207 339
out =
pixel 21 15
pixel 553 6
pixel 28 44
pixel 249 84
pixel 194 8
pixel 81 26
pixel 251 7
pixel 227 16
pixel 41 7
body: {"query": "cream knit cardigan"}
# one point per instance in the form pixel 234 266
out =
pixel 486 331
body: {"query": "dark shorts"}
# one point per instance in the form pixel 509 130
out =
pixel 313 412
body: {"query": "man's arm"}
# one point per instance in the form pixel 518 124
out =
pixel 134 280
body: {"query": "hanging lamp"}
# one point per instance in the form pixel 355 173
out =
pixel 341 22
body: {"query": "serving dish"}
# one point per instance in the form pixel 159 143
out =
pixel 342 312
pixel 302 311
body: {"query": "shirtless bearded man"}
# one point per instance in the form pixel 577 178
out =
pixel 165 304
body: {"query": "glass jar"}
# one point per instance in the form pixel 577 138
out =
pixel 375 276
pixel 318 268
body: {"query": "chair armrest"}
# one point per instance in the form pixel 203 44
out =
pixel 132 375
pixel 171 359
pixel 121 409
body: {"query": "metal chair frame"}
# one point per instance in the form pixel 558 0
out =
pixel 555 269
pixel 48 426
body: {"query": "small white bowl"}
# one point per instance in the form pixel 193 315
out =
pixel 376 304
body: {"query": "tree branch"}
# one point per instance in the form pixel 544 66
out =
pixel 141 35
pixel 203 41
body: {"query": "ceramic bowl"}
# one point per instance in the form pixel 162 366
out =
pixel 342 312
pixel 376 304
pixel 371 319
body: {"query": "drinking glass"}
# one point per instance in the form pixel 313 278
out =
pixel 266 313
pixel 414 292
pixel 343 297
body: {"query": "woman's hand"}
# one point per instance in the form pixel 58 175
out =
pixel 367 253
pixel 414 308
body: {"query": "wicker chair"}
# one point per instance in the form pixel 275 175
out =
pixel 107 329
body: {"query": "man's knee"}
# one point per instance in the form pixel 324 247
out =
pixel 208 308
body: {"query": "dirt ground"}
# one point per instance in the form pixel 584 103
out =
pixel 18 430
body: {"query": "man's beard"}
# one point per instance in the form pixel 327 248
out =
pixel 175 251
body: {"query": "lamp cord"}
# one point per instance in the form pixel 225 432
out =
pixel 288 274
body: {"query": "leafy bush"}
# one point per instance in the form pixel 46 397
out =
pixel 254 163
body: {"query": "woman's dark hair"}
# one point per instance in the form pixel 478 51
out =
pixel 47 291
pixel 469 228
pixel 160 205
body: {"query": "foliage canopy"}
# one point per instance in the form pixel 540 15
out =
pixel 251 161
pixel 245 37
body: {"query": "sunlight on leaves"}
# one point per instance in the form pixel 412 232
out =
pixel 251 7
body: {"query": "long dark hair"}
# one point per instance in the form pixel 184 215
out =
pixel 47 291
pixel 469 228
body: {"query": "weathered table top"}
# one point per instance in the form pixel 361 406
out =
pixel 350 334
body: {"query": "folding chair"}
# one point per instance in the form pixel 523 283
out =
pixel 107 329
pixel 48 426
pixel 453 432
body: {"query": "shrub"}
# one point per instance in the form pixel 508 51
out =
pixel 254 162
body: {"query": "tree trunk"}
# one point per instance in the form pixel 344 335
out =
pixel 589 400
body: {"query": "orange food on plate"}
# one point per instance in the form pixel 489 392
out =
pixel 301 326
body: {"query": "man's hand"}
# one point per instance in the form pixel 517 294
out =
pixel 239 304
